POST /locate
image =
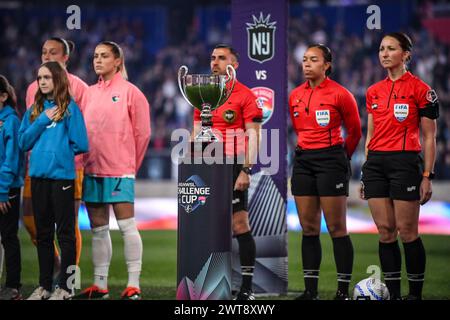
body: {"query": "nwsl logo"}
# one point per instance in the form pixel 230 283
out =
pixel 261 38
pixel 193 193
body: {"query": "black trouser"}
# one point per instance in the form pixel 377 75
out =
pixel 9 226
pixel 53 203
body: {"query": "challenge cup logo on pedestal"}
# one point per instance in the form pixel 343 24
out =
pixel 206 92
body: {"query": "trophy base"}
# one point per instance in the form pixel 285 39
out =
pixel 206 135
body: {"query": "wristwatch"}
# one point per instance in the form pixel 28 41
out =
pixel 428 174
pixel 247 170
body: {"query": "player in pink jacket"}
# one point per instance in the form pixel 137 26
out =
pixel 117 117
pixel 59 50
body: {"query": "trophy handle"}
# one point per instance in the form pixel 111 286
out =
pixel 182 72
pixel 231 73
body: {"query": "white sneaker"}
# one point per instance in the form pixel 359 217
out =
pixel 60 294
pixel 39 294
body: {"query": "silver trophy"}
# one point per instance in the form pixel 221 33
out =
pixel 206 92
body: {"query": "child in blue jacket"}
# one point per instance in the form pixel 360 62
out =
pixel 11 179
pixel 54 130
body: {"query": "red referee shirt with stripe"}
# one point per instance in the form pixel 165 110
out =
pixel 239 109
pixel 394 106
pixel 317 115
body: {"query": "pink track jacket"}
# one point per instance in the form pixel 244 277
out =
pixel 117 117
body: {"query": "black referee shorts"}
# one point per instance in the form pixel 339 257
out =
pixel 321 172
pixel 240 198
pixel 395 175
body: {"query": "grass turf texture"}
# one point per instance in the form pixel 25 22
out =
pixel 158 279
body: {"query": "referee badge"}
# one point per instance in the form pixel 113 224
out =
pixel 229 116
pixel 401 111
pixel 323 117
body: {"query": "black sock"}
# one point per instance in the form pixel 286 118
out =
pixel 343 256
pixel 415 261
pixel 311 256
pixel 391 264
pixel 247 255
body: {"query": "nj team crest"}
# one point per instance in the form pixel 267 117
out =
pixel 261 38
pixel 265 98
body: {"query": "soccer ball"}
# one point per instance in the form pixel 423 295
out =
pixel 370 289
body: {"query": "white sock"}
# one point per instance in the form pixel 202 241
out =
pixel 101 255
pixel 133 250
pixel 2 257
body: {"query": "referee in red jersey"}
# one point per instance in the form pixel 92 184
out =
pixel 395 179
pixel 320 178
pixel 234 119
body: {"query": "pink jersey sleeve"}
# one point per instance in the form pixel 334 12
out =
pixel 139 109
pixel 31 92
pixel 79 91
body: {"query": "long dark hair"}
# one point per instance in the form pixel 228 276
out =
pixel 5 87
pixel 61 93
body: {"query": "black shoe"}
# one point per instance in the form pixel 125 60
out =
pixel 341 295
pixel 412 297
pixel 307 295
pixel 395 298
pixel 245 295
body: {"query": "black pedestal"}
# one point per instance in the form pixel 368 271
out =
pixel 204 231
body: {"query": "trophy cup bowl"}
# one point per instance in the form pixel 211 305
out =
pixel 206 92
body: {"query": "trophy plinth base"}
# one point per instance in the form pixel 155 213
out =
pixel 204 231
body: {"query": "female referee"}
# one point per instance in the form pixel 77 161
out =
pixel 321 173
pixel 394 179
pixel 57 49
pixel 53 129
pixel 117 116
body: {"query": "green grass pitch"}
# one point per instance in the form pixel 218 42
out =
pixel 158 279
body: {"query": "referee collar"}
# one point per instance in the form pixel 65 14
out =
pixel 404 77
pixel 321 85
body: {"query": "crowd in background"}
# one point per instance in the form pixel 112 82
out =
pixel 355 66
